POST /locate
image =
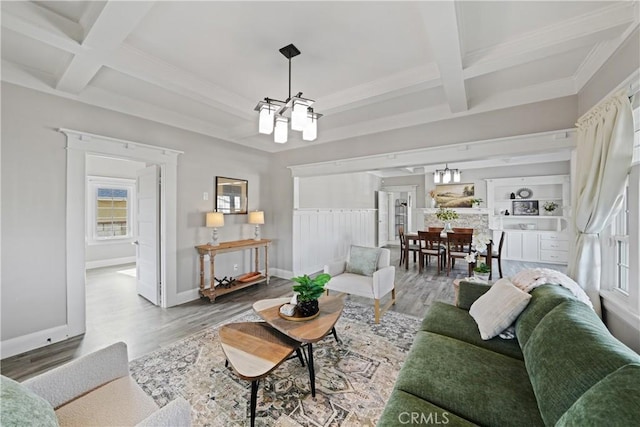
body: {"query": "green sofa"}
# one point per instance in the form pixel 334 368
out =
pixel 564 368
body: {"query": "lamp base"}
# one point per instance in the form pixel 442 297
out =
pixel 214 238
pixel 256 233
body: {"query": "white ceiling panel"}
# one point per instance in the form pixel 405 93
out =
pixel 235 44
pixel 32 54
pixel 72 10
pixel 122 84
pixel 490 23
pixel 552 68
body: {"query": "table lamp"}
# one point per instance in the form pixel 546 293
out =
pixel 257 218
pixel 214 220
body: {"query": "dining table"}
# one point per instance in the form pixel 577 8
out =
pixel 412 236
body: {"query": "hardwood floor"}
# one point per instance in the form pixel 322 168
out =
pixel 116 313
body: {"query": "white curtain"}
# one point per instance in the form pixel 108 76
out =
pixel 604 153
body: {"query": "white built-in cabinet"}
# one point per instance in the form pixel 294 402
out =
pixel 533 234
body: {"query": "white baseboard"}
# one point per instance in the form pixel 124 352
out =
pixel 109 262
pixel 278 272
pixel 28 342
pixel 187 296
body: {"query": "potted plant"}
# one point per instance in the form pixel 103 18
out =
pixel 550 207
pixel 446 215
pixel 308 291
pixel 480 270
pixel 476 202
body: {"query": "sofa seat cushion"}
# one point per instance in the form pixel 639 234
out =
pixel 454 322
pixel 118 403
pixel 403 408
pixel 474 383
pixel 353 284
pixel 615 400
pixel 543 299
pixel 568 353
pixel 19 406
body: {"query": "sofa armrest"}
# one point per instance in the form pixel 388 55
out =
pixel 176 413
pixel 469 292
pixel 335 268
pixel 383 281
pixel 64 383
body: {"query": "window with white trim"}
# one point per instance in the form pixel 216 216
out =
pixel 110 211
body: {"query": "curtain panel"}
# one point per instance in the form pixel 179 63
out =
pixel 604 153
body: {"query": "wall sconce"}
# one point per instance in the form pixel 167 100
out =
pixel 214 220
pixel 257 218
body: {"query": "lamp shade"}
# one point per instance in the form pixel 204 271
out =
pixel 256 217
pixel 215 219
pixel 310 132
pixel 267 116
pixel 281 133
pixel 299 118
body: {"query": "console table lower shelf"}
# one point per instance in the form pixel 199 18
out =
pixel 251 279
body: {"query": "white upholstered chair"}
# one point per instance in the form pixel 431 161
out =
pixel 375 286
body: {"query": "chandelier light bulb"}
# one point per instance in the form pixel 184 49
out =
pixel 446 177
pixel 456 176
pixel 436 177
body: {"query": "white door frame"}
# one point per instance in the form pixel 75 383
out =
pixel 79 145
pixel 411 189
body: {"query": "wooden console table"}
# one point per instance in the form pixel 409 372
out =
pixel 237 245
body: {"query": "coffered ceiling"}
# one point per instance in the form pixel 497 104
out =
pixel 370 66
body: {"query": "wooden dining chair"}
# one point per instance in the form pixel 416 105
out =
pixel 495 255
pixel 462 230
pixel 404 242
pixel 438 229
pixel 458 246
pixel 430 246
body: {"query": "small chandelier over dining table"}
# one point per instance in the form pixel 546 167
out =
pixel 272 111
pixel 446 175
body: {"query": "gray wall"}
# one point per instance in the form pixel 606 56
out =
pixel 539 117
pixel 34 188
pixel 112 168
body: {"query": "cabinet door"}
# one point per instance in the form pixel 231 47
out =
pixel 530 246
pixel 513 242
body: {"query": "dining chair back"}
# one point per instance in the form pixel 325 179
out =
pixel 462 230
pixel 431 246
pixel 438 229
pixel 405 247
pixel 495 255
pixel 458 246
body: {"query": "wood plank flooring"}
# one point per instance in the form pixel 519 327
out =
pixel 116 313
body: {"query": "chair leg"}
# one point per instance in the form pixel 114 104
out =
pixel 327 290
pixel 393 294
pixel 500 267
pixel 376 308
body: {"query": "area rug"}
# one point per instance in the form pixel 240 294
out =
pixel 354 378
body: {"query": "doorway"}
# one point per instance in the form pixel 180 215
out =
pixel 401 202
pixel 79 146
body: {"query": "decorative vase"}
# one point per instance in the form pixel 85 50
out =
pixel 481 276
pixel 433 202
pixel 307 308
pixel 448 228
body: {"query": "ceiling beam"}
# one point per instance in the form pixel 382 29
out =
pixel 110 27
pixel 441 25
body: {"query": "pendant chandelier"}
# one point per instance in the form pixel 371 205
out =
pixel 446 175
pixel 298 111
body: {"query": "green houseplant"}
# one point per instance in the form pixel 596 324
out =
pixel 550 207
pixel 308 291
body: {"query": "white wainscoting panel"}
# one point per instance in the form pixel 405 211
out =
pixel 324 235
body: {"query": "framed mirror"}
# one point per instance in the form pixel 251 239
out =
pixel 231 195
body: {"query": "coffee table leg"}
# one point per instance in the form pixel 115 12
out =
pixel 254 398
pixel 335 334
pixel 312 371
pixel 299 353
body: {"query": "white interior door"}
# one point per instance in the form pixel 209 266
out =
pixel 383 217
pixel 148 226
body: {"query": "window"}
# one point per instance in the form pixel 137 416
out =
pixel 620 241
pixel 110 211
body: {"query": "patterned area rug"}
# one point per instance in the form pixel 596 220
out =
pixel 354 378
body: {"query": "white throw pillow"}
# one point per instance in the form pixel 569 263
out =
pixel 496 310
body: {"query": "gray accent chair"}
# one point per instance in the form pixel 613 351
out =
pixel 97 390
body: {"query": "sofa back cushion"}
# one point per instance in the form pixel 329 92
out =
pixel 568 353
pixel 543 299
pixel 615 400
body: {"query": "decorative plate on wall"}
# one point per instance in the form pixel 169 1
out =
pixel 524 193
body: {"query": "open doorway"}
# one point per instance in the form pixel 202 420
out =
pixel 401 208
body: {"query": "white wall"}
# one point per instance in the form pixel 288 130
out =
pixel 34 182
pixel 355 190
pixel 101 253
